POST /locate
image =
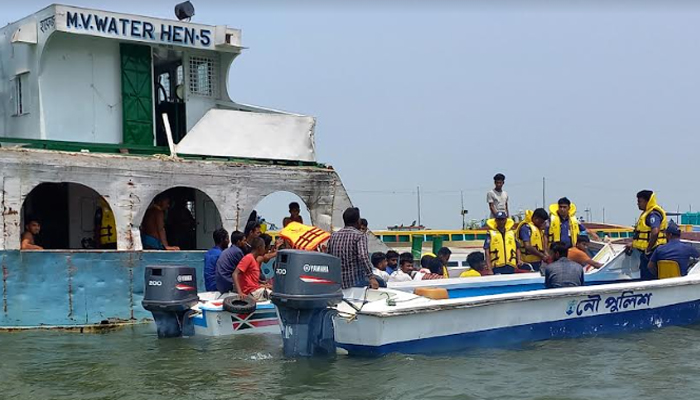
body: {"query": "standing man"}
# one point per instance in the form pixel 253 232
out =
pixel 31 229
pixel 350 245
pixel 674 250
pixel 649 232
pixel 251 231
pixel 212 256
pixel 563 225
pixel 153 236
pixel 500 246
pixel 228 261
pixel 363 225
pixel 497 198
pixel 562 272
pixel 294 214
pixel 531 238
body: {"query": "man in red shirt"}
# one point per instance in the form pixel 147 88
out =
pixel 247 274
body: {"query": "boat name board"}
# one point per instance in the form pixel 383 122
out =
pixel 140 29
pixel 626 300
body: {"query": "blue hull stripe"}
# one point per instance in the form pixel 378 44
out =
pixel 677 314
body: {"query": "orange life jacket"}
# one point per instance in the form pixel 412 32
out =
pixel 304 237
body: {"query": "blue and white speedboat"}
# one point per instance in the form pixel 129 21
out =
pixel 377 322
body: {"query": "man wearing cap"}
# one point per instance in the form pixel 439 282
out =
pixel 649 232
pixel 673 250
pixel 500 246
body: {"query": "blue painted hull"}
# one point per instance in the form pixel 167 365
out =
pixel 71 288
pixel 677 314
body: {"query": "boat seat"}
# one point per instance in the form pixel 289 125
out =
pixel 432 293
pixel 668 269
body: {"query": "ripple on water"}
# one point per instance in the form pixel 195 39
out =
pixel 135 364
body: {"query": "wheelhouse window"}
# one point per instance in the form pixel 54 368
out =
pixel 204 77
pixel 20 94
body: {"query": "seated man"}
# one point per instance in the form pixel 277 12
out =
pixel 425 262
pixel 392 259
pixel 247 274
pixel 228 261
pixel 579 253
pixel 212 256
pixel 436 271
pixel 31 229
pixel 477 262
pixel 379 264
pixel 673 250
pixel 444 256
pixel 405 272
pixel 562 272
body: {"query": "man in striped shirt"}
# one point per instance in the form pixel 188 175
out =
pixel 350 245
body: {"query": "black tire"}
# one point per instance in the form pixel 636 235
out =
pixel 236 305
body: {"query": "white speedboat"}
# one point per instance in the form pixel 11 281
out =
pixel 617 267
pixel 376 322
pixel 210 318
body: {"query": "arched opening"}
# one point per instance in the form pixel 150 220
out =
pixel 189 220
pixel 274 208
pixel 71 216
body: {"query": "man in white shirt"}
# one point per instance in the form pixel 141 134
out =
pixel 405 272
pixel 379 264
pixel 497 198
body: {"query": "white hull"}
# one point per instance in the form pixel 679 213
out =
pixel 212 320
pixel 417 325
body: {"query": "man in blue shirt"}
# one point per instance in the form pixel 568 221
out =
pixel 212 256
pixel 674 250
pixel 565 211
pixel 392 259
pixel 228 261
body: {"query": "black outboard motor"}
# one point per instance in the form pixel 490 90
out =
pixel 306 284
pixel 170 292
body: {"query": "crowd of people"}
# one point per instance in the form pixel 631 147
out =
pixel 551 241
pixel 556 242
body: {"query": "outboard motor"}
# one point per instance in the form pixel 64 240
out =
pixel 169 294
pixel 306 284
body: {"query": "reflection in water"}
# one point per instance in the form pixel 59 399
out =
pixel 134 364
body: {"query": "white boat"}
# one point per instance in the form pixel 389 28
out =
pixel 211 319
pixel 617 267
pixel 382 321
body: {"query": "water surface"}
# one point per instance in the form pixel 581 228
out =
pixel 134 364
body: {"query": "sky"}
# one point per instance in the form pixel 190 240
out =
pixel 600 98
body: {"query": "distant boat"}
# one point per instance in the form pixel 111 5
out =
pixel 402 227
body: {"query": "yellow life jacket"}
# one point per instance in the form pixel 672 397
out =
pixel 108 225
pixel 555 224
pixel 304 237
pixel 642 230
pixel 536 239
pixel 503 246
pixel 445 273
